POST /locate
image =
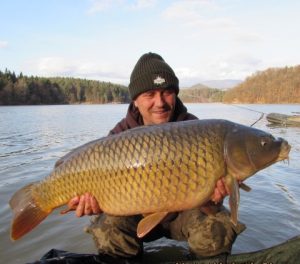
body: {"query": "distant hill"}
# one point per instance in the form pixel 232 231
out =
pixel 274 85
pixel 198 86
pixel 207 91
pixel 221 84
pixel 218 84
pixel 201 94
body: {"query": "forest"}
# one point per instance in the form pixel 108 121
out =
pixel 272 86
pixel 22 90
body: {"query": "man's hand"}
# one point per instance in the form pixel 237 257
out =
pixel 83 205
pixel 220 191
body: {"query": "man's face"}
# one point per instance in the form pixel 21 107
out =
pixel 156 106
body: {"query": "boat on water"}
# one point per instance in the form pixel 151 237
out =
pixel 282 119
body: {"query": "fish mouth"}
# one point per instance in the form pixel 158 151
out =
pixel 284 151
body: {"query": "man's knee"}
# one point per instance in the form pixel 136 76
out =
pixel 206 235
pixel 116 236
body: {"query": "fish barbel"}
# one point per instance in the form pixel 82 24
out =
pixel 151 170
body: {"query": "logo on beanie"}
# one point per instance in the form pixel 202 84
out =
pixel 159 80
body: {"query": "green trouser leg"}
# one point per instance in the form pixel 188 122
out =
pixel 116 235
pixel 206 235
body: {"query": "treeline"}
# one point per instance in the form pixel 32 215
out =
pixel 201 94
pixel 23 90
pixel 272 86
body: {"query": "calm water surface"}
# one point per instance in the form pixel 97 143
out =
pixel 32 138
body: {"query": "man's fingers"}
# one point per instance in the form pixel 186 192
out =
pixel 220 191
pixel 225 186
pixel 87 207
pixel 83 205
pixel 72 204
pixel 221 187
pixel 80 207
pixel 217 197
pixel 95 206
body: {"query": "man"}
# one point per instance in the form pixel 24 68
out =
pixel 154 88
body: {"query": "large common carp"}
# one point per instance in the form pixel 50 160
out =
pixel 151 170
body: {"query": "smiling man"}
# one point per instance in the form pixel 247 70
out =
pixel 156 106
pixel 154 88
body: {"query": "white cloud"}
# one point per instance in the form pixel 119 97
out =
pixel 53 66
pixel 197 13
pixel 3 44
pixel 204 19
pixel 248 37
pixel 244 59
pixel 238 67
pixel 187 72
pixel 64 67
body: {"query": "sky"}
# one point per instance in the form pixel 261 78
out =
pixel 103 39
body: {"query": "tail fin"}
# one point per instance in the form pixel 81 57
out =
pixel 27 214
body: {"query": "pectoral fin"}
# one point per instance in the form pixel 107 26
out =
pixel 234 198
pixel 149 222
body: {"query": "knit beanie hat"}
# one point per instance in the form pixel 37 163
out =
pixel 151 72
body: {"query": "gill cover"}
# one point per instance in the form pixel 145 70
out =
pixel 248 150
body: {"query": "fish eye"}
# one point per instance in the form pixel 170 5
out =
pixel 266 140
pixel 263 143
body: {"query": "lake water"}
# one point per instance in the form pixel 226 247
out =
pixel 32 138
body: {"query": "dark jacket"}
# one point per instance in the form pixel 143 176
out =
pixel 134 118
